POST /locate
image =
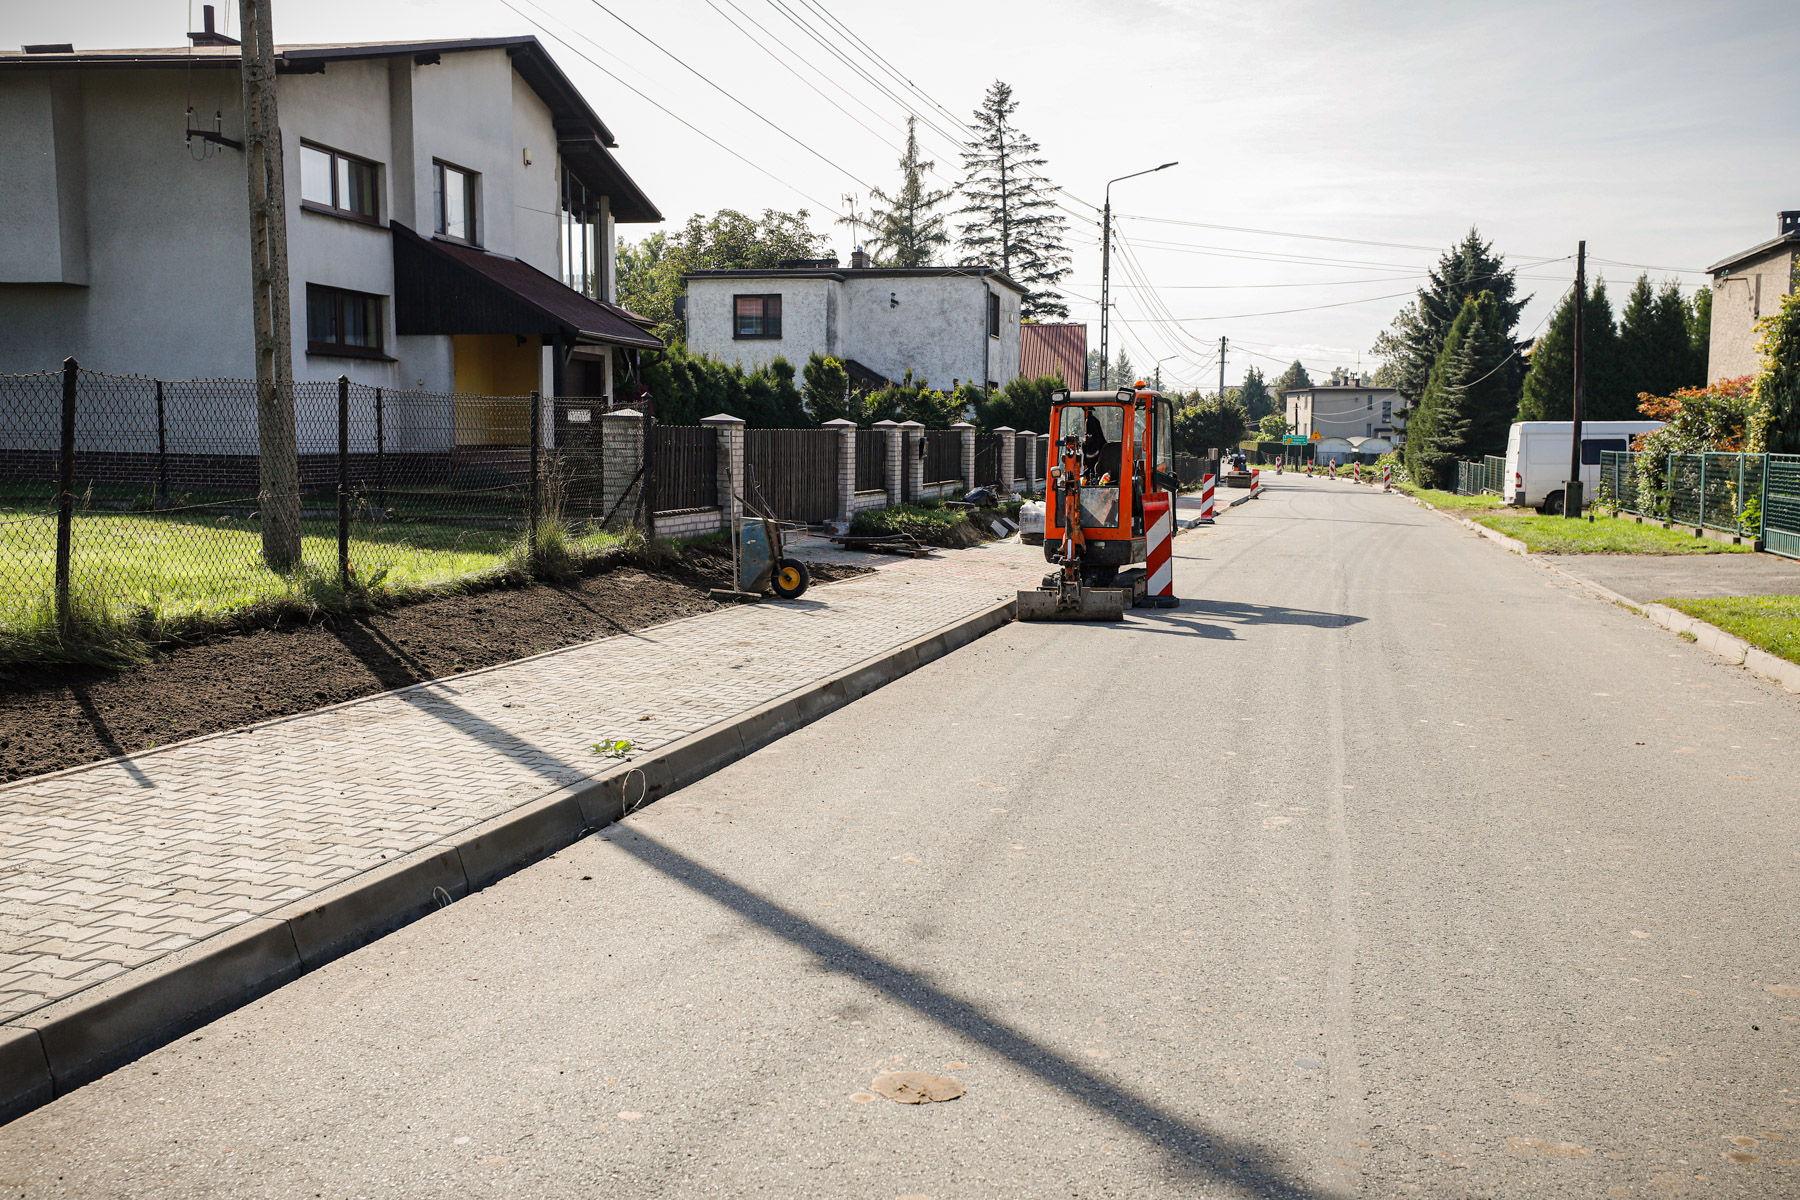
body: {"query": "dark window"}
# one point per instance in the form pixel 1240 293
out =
pixel 456 197
pixel 581 260
pixel 331 181
pixel 993 314
pixel 756 316
pixel 342 322
pixel 1591 448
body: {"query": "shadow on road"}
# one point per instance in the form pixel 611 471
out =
pixel 1196 1152
pixel 1216 618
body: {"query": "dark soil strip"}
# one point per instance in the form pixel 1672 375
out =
pixel 79 715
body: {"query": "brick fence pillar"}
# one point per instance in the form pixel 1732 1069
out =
pixel 1009 448
pixel 968 454
pixel 622 468
pixel 730 434
pixel 846 431
pixel 1029 469
pixel 896 459
pixel 913 462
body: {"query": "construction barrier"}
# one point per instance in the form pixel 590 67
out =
pixel 1255 482
pixel 1356 472
pixel 1206 499
pixel 1159 582
pixel 1387 478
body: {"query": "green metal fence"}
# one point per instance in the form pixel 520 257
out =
pixel 1753 495
pixel 1474 478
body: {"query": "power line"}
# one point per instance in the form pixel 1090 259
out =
pixel 664 109
pixel 715 87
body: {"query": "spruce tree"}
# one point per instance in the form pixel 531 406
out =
pixel 1700 334
pixel 1012 220
pixel 1254 396
pixel 1549 389
pixel 903 227
pixel 1465 409
pixel 1121 374
pixel 1292 379
pixel 1411 345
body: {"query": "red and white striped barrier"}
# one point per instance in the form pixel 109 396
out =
pixel 1387 477
pixel 1356 472
pixel 1255 482
pixel 1206 498
pixel 1159 582
pixel 1309 468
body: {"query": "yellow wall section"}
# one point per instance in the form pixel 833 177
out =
pixel 495 364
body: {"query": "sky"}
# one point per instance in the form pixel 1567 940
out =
pixel 1327 152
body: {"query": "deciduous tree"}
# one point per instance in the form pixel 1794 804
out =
pixel 650 272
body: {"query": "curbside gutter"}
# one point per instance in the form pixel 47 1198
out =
pixel 53 1050
pixel 1706 635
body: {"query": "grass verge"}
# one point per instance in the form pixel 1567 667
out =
pixel 1559 535
pixel 1770 623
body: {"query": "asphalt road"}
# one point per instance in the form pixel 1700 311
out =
pixel 1389 864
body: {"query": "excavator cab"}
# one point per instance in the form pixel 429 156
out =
pixel 1109 450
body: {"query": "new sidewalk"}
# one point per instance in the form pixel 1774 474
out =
pixel 142 895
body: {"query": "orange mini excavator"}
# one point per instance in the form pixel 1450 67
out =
pixel 1109 452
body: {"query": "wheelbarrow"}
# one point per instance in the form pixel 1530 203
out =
pixel 759 558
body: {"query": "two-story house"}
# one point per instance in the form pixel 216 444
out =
pixel 947 325
pixel 450 208
pixel 1351 408
pixel 1747 287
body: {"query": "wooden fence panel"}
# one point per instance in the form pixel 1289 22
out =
pixel 795 471
pixel 684 467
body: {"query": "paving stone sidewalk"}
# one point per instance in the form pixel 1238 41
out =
pixel 108 866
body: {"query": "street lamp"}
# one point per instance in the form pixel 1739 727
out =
pixel 1159 362
pixel 1106 254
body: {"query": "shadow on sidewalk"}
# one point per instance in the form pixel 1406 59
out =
pixel 1197 1153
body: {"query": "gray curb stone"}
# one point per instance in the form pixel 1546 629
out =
pixel 57 1048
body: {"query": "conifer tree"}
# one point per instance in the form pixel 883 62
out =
pixel 903 227
pixel 1655 351
pixel 1121 373
pixel 1254 396
pixel 1549 388
pixel 1700 333
pixel 1295 377
pixel 1012 221
pixel 1465 408
pixel 1411 345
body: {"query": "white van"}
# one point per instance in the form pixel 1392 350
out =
pixel 1537 459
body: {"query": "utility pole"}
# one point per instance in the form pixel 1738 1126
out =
pixel 1572 485
pixel 277 453
pixel 1221 368
pixel 1106 261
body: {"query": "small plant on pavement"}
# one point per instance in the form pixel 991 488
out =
pixel 613 747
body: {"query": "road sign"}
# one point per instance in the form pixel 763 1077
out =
pixel 1294 439
pixel 1315 435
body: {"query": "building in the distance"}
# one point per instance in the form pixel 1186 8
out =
pixel 1350 408
pixel 1747 287
pixel 1059 351
pixel 947 325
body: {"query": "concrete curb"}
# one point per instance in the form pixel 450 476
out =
pixel 1707 636
pixel 55 1049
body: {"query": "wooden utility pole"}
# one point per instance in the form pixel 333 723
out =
pixel 1572 485
pixel 277 453
pixel 1221 369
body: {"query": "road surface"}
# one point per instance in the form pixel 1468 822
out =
pixel 1389 864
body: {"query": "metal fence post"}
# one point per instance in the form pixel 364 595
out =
pixel 65 498
pixel 537 425
pixel 343 488
pixel 1742 504
pixel 159 493
pixel 1702 521
pixel 380 454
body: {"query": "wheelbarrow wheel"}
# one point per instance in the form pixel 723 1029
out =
pixel 791 579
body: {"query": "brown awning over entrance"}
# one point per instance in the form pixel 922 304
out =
pixel 443 288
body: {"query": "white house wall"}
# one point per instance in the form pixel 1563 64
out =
pixel 938 328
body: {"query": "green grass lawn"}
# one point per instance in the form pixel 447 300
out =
pixel 1602 535
pixel 177 567
pixel 1559 535
pixel 1769 622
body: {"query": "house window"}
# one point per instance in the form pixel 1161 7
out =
pixel 456 194
pixel 342 322
pixel 581 237
pixel 338 183
pixel 1387 411
pixel 756 316
pixel 993 314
